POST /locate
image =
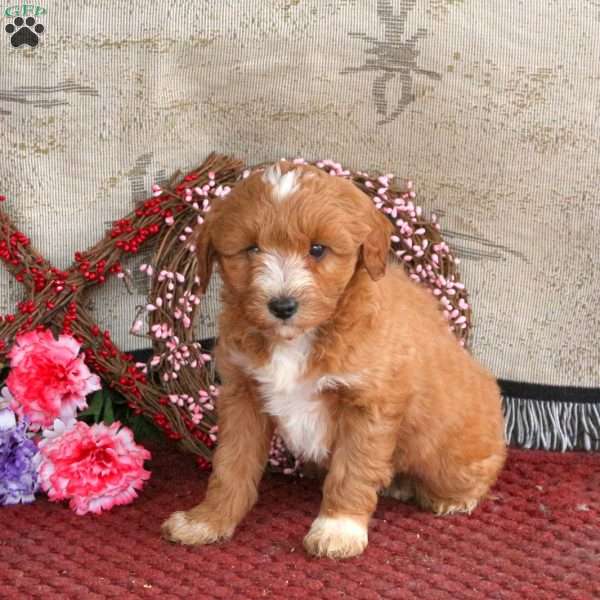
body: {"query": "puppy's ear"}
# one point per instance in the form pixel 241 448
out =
pixel 376 247
pixel 205 254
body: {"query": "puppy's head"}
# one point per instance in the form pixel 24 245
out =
pixel 288 241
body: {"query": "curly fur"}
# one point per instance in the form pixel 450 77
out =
pixel 366 378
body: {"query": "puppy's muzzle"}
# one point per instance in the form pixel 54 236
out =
pixel 283 308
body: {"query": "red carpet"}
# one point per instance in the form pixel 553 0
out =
pixel 538 536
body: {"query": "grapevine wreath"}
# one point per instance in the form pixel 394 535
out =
pixel 177 388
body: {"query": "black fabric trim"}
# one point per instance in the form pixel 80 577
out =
pixel 141 355
pixel 549 393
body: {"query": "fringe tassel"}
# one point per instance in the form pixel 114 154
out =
pixel 547 425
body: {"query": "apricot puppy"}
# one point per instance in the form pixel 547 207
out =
pixel 351 361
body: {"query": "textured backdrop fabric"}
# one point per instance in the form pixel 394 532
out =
pixel 492 108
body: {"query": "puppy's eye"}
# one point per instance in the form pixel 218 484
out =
pixel 317 250
pixel 254 249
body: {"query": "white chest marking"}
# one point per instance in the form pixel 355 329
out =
pixel 293 399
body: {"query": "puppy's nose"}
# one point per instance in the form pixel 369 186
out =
pixel 283 308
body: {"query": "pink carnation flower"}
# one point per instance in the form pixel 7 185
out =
pixel 95 468
pixel 48 379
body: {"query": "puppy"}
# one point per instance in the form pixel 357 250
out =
pixel 348 359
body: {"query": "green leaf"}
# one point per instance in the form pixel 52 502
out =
pixel 108 406
pixel 122 413
pixel 108 415
pixel 95 405
pixel 144 429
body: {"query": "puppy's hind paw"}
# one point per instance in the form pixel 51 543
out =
pixel 336 537
pixel 183 529
pixel 449 507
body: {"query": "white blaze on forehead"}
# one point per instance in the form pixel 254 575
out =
pixel 282 275
pixel 283 184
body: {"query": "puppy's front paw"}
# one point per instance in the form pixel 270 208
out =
pixel 182 528
pixel 336 537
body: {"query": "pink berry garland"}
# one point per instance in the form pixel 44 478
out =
pixel 177 387
pixel 182 363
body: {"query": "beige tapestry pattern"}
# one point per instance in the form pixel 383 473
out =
pixel 493 109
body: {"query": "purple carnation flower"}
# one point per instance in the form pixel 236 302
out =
pixel 18 461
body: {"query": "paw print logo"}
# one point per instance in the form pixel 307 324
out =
pixel 24 32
